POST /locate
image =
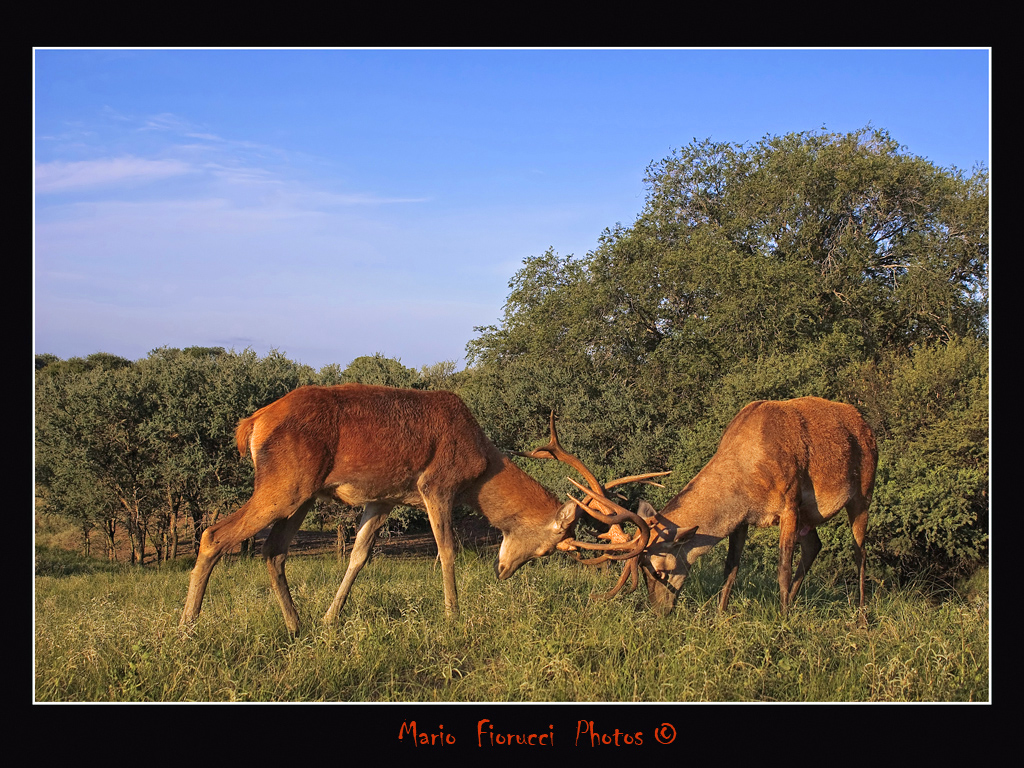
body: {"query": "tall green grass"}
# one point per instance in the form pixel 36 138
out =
pixel 111 634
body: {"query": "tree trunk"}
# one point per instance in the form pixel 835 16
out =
pixel 341 541
pixel 172 544
pixel 171 532
pixel 109 529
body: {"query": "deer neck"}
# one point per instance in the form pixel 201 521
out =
pixel 505 493
pixel 709 502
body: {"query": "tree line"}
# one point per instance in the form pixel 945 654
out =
pixel 837 265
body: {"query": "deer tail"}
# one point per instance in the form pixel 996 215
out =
pixel 243 434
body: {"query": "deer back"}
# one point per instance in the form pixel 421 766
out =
pixel 364 443
pixel 813 451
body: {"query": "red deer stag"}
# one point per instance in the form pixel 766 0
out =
pixel 378 447
pixel 791 463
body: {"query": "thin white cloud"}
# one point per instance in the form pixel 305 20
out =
pixel 165 122
pixel 59 176
pixel 367 199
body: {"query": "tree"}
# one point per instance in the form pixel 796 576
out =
pixel 92 445
pixel 774 270
pixel 132 444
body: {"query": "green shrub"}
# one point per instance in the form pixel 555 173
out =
pixel 930 507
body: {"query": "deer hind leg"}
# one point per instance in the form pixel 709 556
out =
pixel 810 546
pixel 374 515
pixel 275 552
pixel 732 562
pixel 858 513
pixel 249 520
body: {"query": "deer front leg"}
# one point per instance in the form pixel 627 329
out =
pixel 787 540
pixel 374 515
pixel 732 562
pixel 440 516
pixel 810 546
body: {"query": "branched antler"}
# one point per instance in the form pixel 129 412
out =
pixel 601 508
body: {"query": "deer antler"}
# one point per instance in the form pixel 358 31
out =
pixel 634 548
pixel 553 450
pixel 613 515
pixel 645 478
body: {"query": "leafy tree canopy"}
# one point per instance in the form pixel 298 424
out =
pixel 784 268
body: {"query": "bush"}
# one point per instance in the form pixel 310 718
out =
pixel 930 508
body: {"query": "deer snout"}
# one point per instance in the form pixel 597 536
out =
pixel 511 556
pixel 504 570
pixel 665 575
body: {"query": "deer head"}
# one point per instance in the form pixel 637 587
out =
pixel 617 546
pixel 664 563
pixel 654 549
pixel 522 542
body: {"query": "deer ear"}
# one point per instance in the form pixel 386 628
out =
pixel 566 516
pixel 682 536
pixel 645 510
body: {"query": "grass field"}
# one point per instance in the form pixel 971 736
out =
pixel 107 633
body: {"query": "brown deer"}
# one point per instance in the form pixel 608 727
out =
pixel 378 447
pixel 791 463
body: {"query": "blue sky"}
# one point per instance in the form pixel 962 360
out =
pixel 337 203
